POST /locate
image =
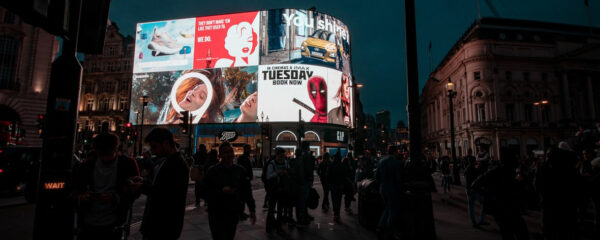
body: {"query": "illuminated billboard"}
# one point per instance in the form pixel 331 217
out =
pixel 246 67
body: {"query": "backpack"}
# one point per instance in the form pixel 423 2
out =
pixel 263 175
pixel 312 201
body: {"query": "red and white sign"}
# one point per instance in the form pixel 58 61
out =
pixel 227 40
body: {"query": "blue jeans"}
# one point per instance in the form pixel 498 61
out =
pixel 472 196
pixel 446 179
pixel 301 211
pixel 390 215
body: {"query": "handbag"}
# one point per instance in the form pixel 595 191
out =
pixel 313 199
pixel 197 174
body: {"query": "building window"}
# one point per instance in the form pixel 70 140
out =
pixel 544 77
pixel 127 65
pixel 526 76
pixel 477 75
pixel 545 114
pixel 107 86
pixel 508 75
pixel 90 105
pixel 9 17
pixel 480 112
pixel 8 61
pixel 123 104
pixel 104 104
pixel 510 112
pixel 89 87
pixel 528 112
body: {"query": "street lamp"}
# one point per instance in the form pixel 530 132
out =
pixel 355 118
pixel 542 104
pixel 452 94
pixel 137 126
pixel 144 101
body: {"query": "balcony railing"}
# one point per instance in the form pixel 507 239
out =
pixel 102 112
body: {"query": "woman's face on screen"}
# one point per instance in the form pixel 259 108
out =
pixel 194 98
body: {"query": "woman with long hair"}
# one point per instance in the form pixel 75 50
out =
pixel 201 93
pixel 341 115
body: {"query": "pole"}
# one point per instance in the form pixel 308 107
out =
pixel 137 152
pixel 420 198
pixel 412 82
pixel 54 215
pixel 190 136
pixel 142 125
pixel 456 169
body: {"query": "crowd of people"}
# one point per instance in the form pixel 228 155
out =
pixel 563 184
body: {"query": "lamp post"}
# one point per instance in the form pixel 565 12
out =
pixel 353 101
pixel 144 101
pixel 262 138
pixel 542 104
pixel 137 123
pixel 456 169
pixel 269 136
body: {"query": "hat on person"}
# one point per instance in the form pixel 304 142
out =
pixel 563 145
pixel 595 162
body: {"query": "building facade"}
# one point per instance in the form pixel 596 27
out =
pixel 520 86
pixel 106 87
pixel 26 55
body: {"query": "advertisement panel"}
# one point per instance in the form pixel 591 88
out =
pixel 321 94
pixel 227 40
pixel 211 95
pixel 303 36
pixel 164 46
pixel 240 67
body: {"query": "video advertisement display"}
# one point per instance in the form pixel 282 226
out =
pixel 236 68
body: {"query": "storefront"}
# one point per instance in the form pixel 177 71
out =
pixel 264 138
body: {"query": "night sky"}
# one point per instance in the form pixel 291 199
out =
pixel 377 31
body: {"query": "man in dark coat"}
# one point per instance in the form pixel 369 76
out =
pixel 228 188
pixel 308 170
pixel 102 191
pixel 244 161
pixel 500 187
pixel 167 191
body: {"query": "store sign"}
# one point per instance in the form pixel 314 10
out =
pixel 336 136
pixel 228 135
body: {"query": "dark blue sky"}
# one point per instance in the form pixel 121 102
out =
pixel 377 31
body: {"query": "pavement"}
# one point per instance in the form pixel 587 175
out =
pixel 450 215
pixel 451 221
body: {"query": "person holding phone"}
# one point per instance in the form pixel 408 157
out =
pixel 102 190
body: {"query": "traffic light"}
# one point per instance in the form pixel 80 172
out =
pixel 41 122
pixel 128 125
pixel 185 121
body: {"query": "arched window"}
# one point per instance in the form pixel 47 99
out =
pixel 311 136
pixel 8 62
pixel 286 135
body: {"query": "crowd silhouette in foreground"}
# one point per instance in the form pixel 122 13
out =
pixel 562 184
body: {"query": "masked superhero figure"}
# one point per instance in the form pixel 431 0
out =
pixel 317 91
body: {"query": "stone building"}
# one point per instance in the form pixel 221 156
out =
pixel 106 86
pixel 26 55
pixel 520 85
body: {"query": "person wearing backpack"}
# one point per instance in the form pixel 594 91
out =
pixel 277 180
pixel 322 169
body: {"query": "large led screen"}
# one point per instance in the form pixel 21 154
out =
pixel 245 67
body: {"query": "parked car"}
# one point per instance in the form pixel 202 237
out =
pixel 19 171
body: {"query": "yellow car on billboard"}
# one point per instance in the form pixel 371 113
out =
pixel 321 45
